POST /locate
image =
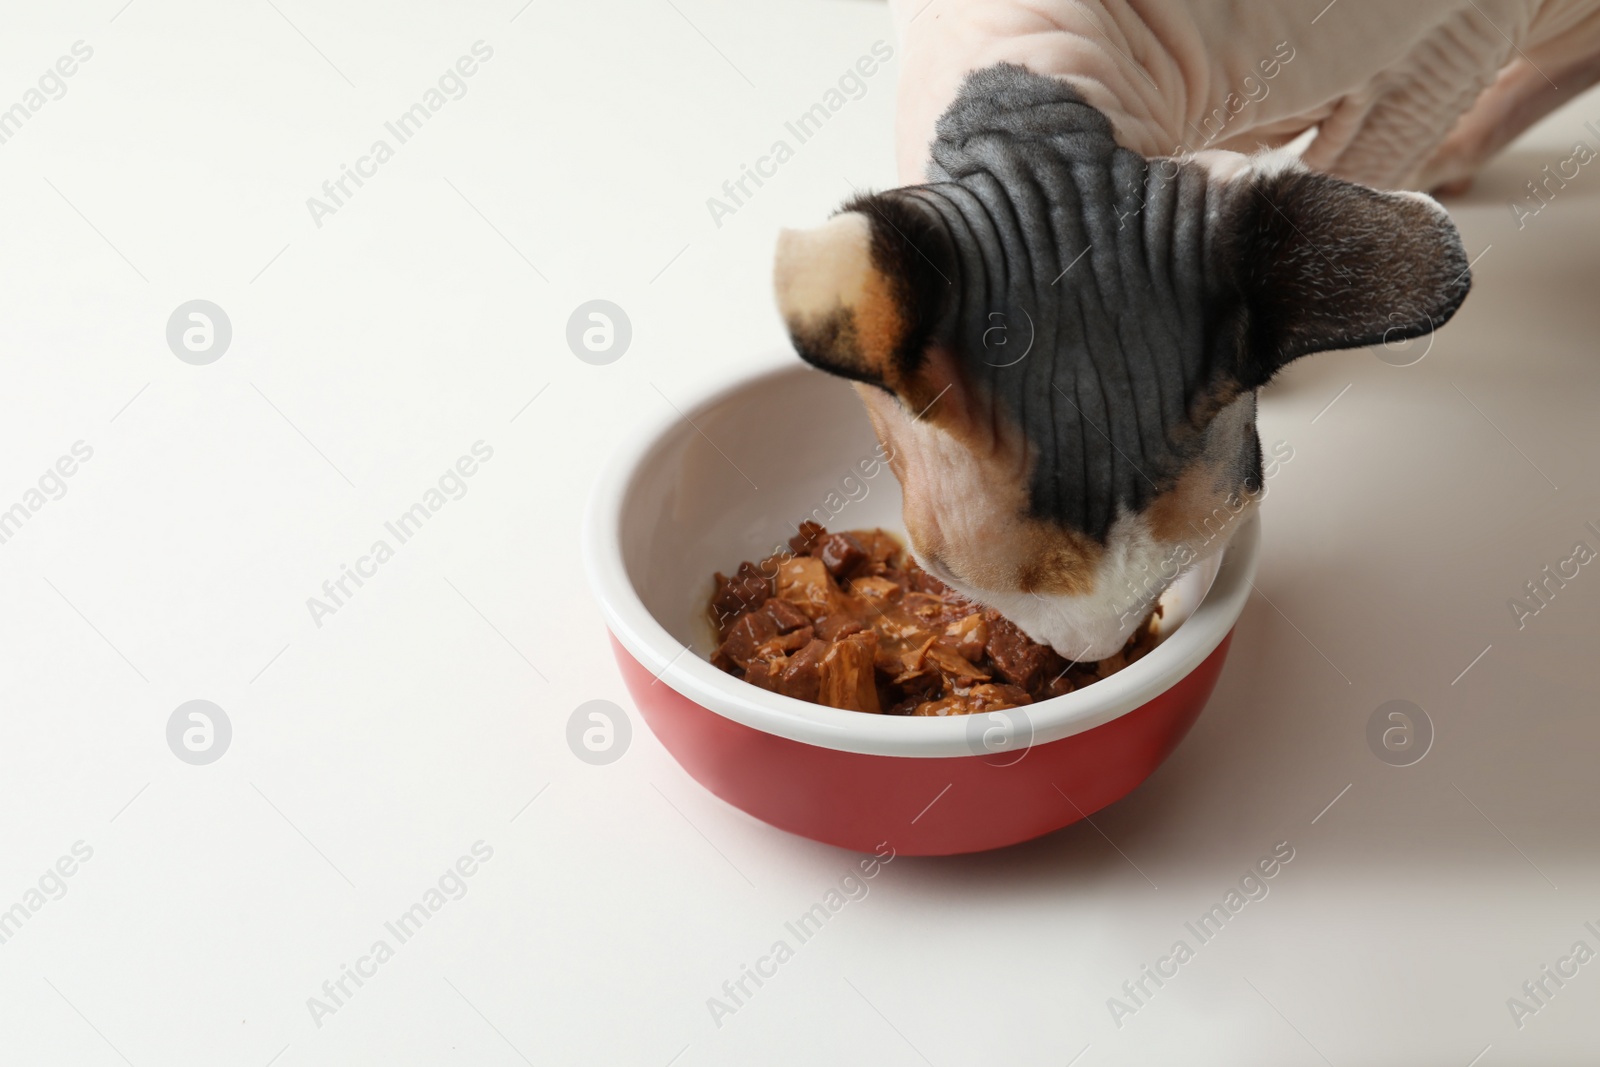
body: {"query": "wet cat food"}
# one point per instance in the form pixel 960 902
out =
pixel 851 621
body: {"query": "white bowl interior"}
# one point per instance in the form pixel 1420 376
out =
pixel 735 483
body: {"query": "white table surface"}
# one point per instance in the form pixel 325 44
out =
pixel 371 752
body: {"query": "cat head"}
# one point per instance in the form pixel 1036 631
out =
pixel 1060 340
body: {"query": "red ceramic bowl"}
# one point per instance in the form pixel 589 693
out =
pixel 729 479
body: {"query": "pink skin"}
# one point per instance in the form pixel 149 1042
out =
pixel 1406 93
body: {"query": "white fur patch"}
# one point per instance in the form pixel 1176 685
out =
pixel 958 508
pixel 1134 572
pixel 1424 198
pixel 1225 166
pixel 817 271
pixel 1088 627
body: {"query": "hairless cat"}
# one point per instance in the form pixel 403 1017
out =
pixel 1060 322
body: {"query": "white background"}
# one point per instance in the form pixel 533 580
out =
pixel 371 752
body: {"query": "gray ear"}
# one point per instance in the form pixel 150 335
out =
pixel 1317 263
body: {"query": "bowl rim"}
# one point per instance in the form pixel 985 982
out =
pixel 649 642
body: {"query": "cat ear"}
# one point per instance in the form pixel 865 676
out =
pixel 862 293
pixel 1319 263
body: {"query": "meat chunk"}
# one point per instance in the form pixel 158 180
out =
pixel 907 656
pixel 765 673
pixel 842 554
pixel 784 614
pixel 882 550
pixel 745 636
pixel 879 589
pixel 1017 659
pixel 783 644
pixel 921 683
pixel 747 590
pixel 806 539
pixel 957 669
pixel 802 674
pixel 839 624
pixel 1060 685
pixel 968 635
pixel 847 677
pixel 804 582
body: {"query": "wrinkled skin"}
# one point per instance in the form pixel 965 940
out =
pixel 1402 94
pixel 1408 94
pixel 1065 479
pixel 1399 96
